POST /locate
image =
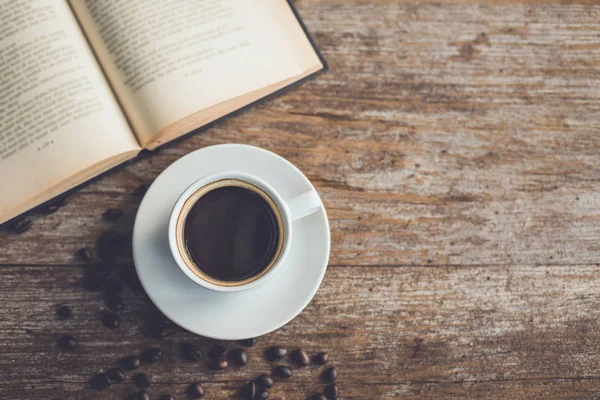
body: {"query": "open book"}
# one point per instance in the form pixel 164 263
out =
pixel 87 84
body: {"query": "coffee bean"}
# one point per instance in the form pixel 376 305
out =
pixel 155 327
pixel 49 209
pixel 64 312
pixel 249 342
pixel 93 282
pixel 113 287
pixel 114 303
pixel 111 320
pixel 20 226
pixel 109 246
pixel 248 392
pixel 141 380
pixel 167 397
pixel 321 358
pixel 218 351
pixel 262 394
pixel 141 190
pixel 218 364
pixel 84 254
pixel 191 352
pixel 97 270
pixel 318 396
pixel 282 371
pixel 195 390
pixel 112 214
pixel 129 362
pixel 100 381
pixel 151 355
pixel 330 374
pixel 142 395
pixel 332 392
pixel 116 375
pixel 300 357
pixel 67 342
pixel 264 381
pixel 130 277
pixel 238 356
pixel 276 353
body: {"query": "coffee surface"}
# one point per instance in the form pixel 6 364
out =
pixel 231 233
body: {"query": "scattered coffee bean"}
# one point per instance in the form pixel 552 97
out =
pixel 282 371
pixel 64 312
pixel 116 375
pixel 218 351
pixel 109 246
pixel 142 395
pixel 249 342
pixel 114 303
pixel 67 342
pixel 111 320
pixel 156 328
pixel 191 352
pixel 318 396
pixel 264 381
pixel 100 381
pixel 238 356
pixel 130 362
pixel 20 226
pixel 330 374
pixel 113 287
pixel 50 209
pixel 112 214
pixel 141 190
pixel 248 392
pixel 151 355
pixel 131 279
pixel 93 282
pixel 167 397
pixel 332 392
pixel 276 353
pixel 300 357
pixel 141 381
pixel 321 358
pixel 84 254
pixel 218 364
pixel 195 390
pixel 262 394
pixel 97 270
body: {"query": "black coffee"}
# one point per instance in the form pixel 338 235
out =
pixel 231 233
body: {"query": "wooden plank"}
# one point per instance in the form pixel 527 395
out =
pixel 444 134
pixel 312 3
pixel 394 333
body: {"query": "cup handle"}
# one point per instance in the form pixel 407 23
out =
pixel 304 204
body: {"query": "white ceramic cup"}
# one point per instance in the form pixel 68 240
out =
pixel 290 210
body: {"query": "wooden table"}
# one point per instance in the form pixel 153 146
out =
pixel 457 149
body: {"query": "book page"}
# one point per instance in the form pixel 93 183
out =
pixel 167 60
pixel 58 115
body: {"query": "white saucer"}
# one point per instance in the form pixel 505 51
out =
pixel 229 316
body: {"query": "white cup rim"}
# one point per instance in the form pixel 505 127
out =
pixel 249 178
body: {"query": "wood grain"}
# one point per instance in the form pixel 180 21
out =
pixel 393 332
pixel 456 148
